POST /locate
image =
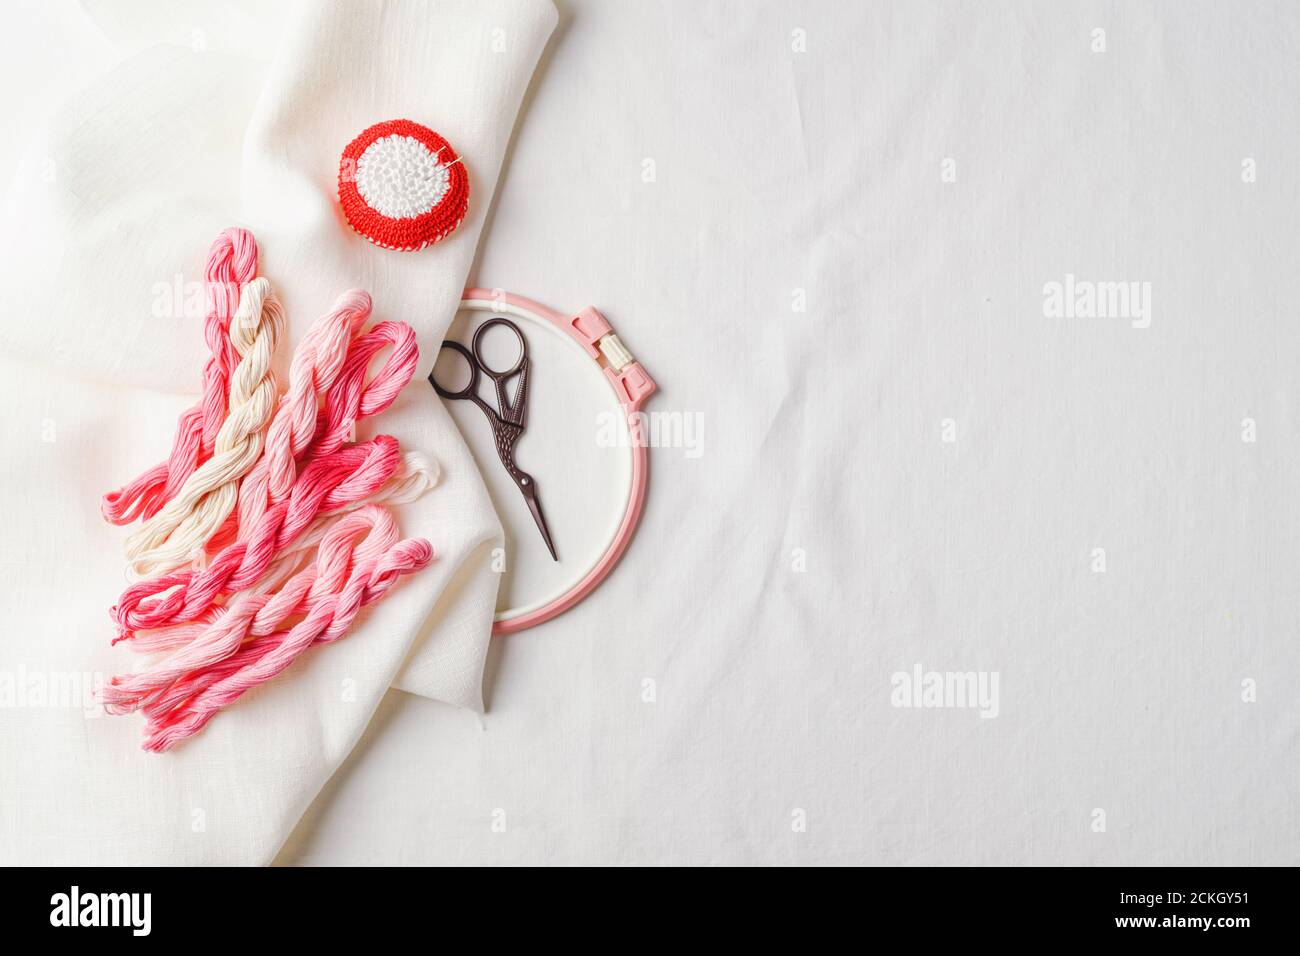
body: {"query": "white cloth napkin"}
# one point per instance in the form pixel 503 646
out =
pixel 116 204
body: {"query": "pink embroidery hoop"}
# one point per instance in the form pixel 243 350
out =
pixel 592 333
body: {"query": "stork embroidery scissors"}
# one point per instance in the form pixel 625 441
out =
pixel 509 418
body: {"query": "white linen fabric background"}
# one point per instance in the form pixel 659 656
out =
pixel 826 230
pixel 120 191
pixel 801 146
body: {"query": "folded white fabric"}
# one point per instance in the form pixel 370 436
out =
pixel 105 231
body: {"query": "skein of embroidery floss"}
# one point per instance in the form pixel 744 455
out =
pixel 327 483
pixel 349 398
pixel 345 575
pixel 179 532
pixel 232 262
pixel 416 476
pixel 261 634
pixel 263 530
pixel 327 618
pixel 316 365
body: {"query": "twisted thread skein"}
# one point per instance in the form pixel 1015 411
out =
pixel 325 484
pixel 316 365
pixel 415 476
pixel 177 534
pixel 342 585
pixel 261 614
pixel 326 621
pixel 352 397
pixel 232 262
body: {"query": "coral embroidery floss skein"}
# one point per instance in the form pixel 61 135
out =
pixel 373 566
pixel 316 364
pixel 402 186
pixel 327 483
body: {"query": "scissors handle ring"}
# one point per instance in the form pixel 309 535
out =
pixel 478 348
pixel 470 391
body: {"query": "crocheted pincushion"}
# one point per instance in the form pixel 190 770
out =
pixel 402 186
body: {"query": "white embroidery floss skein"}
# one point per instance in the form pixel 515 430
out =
pixel 177 534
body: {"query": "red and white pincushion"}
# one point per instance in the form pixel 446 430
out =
pixel 402 186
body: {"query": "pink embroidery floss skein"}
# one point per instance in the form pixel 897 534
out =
pixel 232 262
pixel 268 612
pixel 326 483
pixel 343 581
pixel 415 476
pixel 316 365
pixel 353 397
pixel 253 614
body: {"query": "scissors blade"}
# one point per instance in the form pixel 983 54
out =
pixel 535 507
